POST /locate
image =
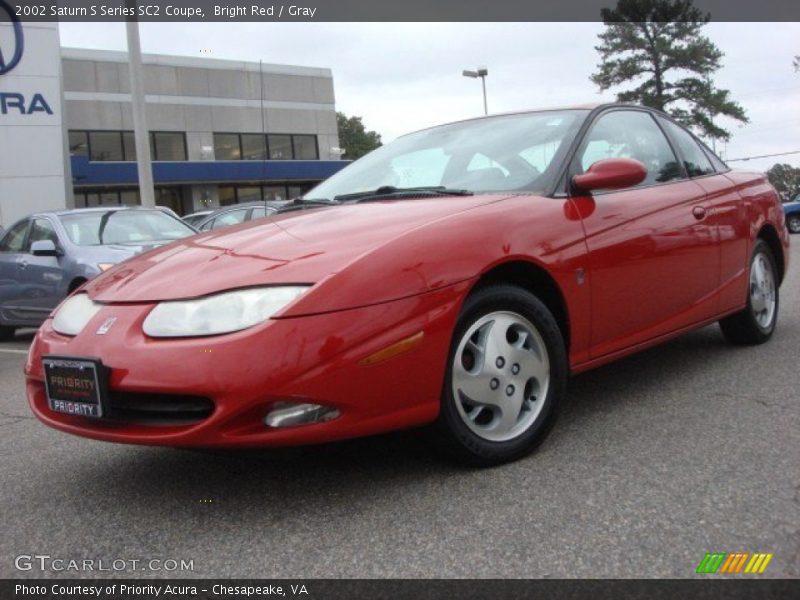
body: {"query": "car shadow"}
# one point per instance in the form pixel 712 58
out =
pixel 349 470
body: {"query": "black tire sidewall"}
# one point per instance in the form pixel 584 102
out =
pixel 793 219
pixel 481 302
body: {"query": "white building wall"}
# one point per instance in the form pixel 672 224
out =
pixel 34 169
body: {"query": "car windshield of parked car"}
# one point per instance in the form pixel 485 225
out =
pixel 496 154
pixel 123 227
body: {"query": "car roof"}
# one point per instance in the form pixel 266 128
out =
pixel 239 206
pixel 252 204
pixel 272 203
pixel 589 107
pixel 95 209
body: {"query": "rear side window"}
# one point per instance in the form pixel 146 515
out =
pixel 719 164
pixel 260 212
pixel 226 220
pixel 694 158
pixel 631 134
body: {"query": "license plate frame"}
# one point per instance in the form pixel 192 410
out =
pixel 76 386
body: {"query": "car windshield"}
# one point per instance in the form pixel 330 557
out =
pixel 123 227
pixel 497 154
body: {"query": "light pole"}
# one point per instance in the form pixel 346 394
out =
pixel 141 136
pixel 481 72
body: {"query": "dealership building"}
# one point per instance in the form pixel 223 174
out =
pixel 220 131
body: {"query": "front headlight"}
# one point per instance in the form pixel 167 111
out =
pixel 221 313
pixel 74 314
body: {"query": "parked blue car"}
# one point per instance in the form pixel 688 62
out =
pixel 792 210
pixel 46 256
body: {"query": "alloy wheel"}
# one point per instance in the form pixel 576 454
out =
pixel 762 291
pixel 501 375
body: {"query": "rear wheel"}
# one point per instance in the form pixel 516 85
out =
pixel 756 322
pixel 506 373
pixel 793 223
pixel 7 333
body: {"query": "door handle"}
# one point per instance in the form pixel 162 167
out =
pixel 699 212
pixel 23 264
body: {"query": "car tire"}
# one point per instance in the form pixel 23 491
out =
pixel 7 333
pixel 506 374
pixel 755 324
pixel 793 223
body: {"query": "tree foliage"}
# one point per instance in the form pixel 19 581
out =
pixel 354 138
pixel 786 179
pixel 658 47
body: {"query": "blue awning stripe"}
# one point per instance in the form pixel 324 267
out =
pixel 85 172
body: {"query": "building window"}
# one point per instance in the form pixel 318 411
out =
pixel 168 145
pixel 170 197
pixel 234 194
pixel 274 193
pixel 129 145
pixel 254 147
pixel 121 145
pixel 106 145
pixel 227 195
pixel 226 146
pixel 305 147
pixel 165 196
pixel 280 147
pixel 129 197
pixel 248 193
pixel 79 143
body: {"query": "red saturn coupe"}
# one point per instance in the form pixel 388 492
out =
pixel 454 277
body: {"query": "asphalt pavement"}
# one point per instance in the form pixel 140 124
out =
pixel 688 448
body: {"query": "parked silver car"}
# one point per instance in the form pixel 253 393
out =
pixel 46 256
pixel 233 214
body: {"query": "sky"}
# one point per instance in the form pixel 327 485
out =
pixel 401 77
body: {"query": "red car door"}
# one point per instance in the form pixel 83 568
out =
pixel 727 214
pixel 653 254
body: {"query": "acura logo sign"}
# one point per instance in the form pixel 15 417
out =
pixel 10 49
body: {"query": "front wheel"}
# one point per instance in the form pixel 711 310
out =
pixel 756 322
pixel 7 333
pixel 507 371
pixel 793 223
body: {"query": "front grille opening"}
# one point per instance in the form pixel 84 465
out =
pixel 158 409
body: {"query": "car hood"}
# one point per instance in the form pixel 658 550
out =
pixel 293 248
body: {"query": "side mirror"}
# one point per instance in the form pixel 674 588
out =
pixel 610 174
pixel 45 248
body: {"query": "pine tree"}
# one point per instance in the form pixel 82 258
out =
pixel 658 46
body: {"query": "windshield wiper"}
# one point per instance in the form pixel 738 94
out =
pixel 301 203
pixel 390 191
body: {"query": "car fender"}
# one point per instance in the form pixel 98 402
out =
pixel 461 247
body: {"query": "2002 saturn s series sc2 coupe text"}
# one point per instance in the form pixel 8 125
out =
pixel 454 277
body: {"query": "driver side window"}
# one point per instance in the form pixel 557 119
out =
pixel 42 230
pixel 14 240
pixel 631 134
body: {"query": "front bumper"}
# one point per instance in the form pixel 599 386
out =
pixel 303 359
